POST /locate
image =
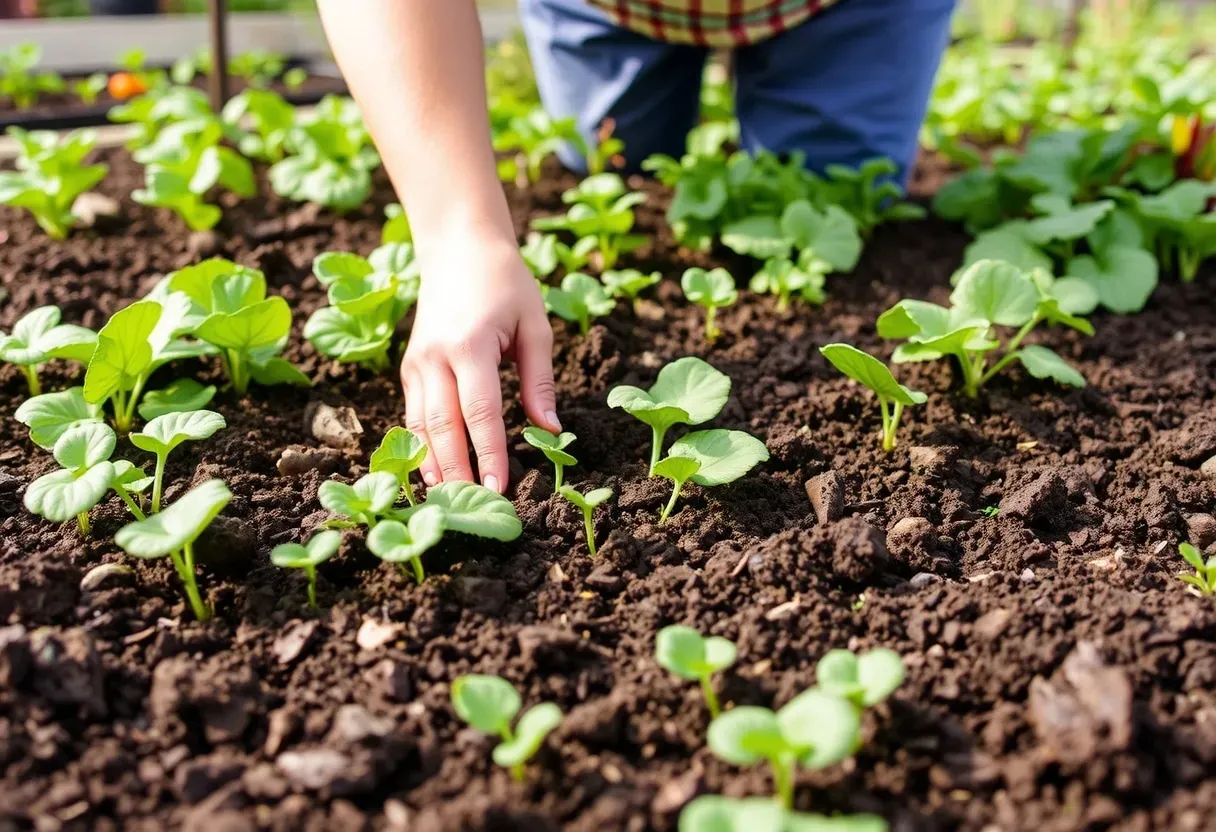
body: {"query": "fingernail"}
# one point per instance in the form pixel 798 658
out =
pixel 491 482
pixel 551 418
pixel 429 478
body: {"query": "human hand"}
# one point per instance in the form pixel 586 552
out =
pixel 478 303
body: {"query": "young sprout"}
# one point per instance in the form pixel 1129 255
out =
pixel 815 730
pixel 395 542
pixel 173 532
pixel 713 290
pixel 581 298
pixel 308 557
pixel 864 680
pixel 554 449
pixel 164 433
pixel 784 278
pixel 587 503
pixel 687 392
pixel 1204 578
pixel 708 458
pixel 714 813
pixel 607 148
pixel 543 253
pixel 181 396
pixel 689 655
pixel 123 360
pixel 867 370
pixel 600 208
pixel 51 415
pixel 294 78
pixel 629 283
pixel 490 704
pixel 473 509
pixel 50 175
pixel 400 453
pixel 38 337
pixel 361 504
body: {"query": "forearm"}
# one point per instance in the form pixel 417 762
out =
pixel 417 70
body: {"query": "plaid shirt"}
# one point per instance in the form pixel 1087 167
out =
pixel 710 22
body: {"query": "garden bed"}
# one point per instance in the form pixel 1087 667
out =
pixel 1060 677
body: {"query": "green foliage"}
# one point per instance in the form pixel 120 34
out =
pixel 20 82
pixel 50 415
pixel 1177 224
pixel 785 279
pixel 490 705
pixel 600 208
pixel 123 360
pixel 1203 580
pixel 396 542
pixel 689 655
pixel 870 194
pixel 331 157
pixel 629 283
pixel 712 813
pixel 400 453
pixel 308 556
pixel 164 433
pixel 989 294
pixel 181 396
pixel 364 503
pixel 396 225
pixel 687 392
pixel 708 458
pixel 581 299
pixel 261 120
pixel 173 532
pixel 88 89
pixel 586 503
pixel 543 253
pixel 295 78
pixel 868 371
pixel 37 337
pixel 153 111
pixel 554 449
pixel 258 67
pixel 473 509
pixel 531 137
pixel 50 175
pixel 713 290
pixel 864 680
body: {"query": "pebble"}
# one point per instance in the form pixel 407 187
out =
pixel 931 460
pixel 826 493
pixel 92 209
pixel 297 461
pixel 337 427
pixel 1028 576
pixel 1201 529
pixel 1209 467
pixel 354 723
pixel 991 624
pixel 374 634
pixel 291 643
pixel 107 576
pixel 312 770
pixel 923 579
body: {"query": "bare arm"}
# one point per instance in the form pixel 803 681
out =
pixel 416 69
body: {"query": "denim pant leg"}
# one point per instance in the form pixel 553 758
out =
pixel 590 69
pixel 850 84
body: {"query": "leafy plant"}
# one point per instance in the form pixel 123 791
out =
pixel 19 82
pixel 1177 224
pixel 870 193
pixel 989 294
pixel 1204 577
pixel 532 137
pixel 785 279
pixel 50 415
pixel 580 298
pixel 814 729
pixel 689 655
pixel 186 68
pixel 153 111
pixel 473 509
pixel 401 452
pixel 867 370
pixel 50 175
pixel 708 458
pixel 401 543
pixel 587 503
pixel 308 556
pixel 687 392
pixel 123 360
pixel 490 704
pixel 37 337
pixel 295 78
pixel 173 532
pixel 554 449
pixel 364 503
pixel 181 396
pixel 713 813
pixel 713 290
pixel 629 283
pixel 88 89
pixel 331 159
pixel 864 680
pixel 543 253
pixel 257 66
pixel 269 117
pixel 601 208
pixel 396 225
pixel 608 149
pixel 164 433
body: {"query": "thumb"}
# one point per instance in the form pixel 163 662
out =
pixel 534 356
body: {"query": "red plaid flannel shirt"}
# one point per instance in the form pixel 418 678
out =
pixel 710 22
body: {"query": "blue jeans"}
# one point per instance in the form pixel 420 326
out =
pixel 850 84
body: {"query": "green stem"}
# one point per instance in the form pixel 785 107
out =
pixel 675 495
pixel 559 473
pixel 711 698
pixel 888 434
pixel 31 378
pixel 158 481
pixel 888 440
pixel 119 399
pixel 1188 265
pixel 131 504
pixel 416 567
pixel 129 417
pixel 584 324
pixel 783 781
pixel 517 770
pixel 1008 357
pixel 607 251
pixel 237 374
pixel 711 331
pixel 656 447
pixel 311 572
pixel 783 302
pixel 408 491
pixel 82 522
pixel 589 525
pixel 971 382
pixel 184 563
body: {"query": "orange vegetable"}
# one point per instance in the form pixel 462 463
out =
pixel 124 85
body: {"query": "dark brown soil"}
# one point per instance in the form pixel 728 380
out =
pixel 1060 678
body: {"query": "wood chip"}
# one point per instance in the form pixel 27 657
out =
pixel 782 610
pixel 1028 446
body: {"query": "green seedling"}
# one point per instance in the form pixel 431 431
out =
pixel 490 705
pixel 708 458
pixel 1204 578
pixel 50 415
pixel 990 511
pixel 714 289
pixel 184 395
pixel 607 149
pixel 532 137
pixel 713 813
pixel 295 78
pixel 88 89
pixel 629 283
pixel 826 239
pixel 554 449
pixel 364 503
pixel 186 68
pixel 20 83
pixel 331 158
pixel 123 360
pixel 84 477
pixel 600 208
pixel 581 298
pixel 869 193
pixel 396 227
pixel 164 433
pixel 150 113
pixel 401 453
pixel 543 253
pixel 38 337
pixel 469 508
pixel 867 370
pixel 815 730
pixel 1178 224
pixel 864 680
pixel 50 175
pixel 988 294
pixel 687 392
pixel 261 119
pixel 689 655
pixel 405 543
pixel 323 546
pixel 173 532
pixel 785 279
pixel 257 66
pixel 587 503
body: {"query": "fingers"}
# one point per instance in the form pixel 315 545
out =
pixel 534 355
pixel 481 406
pixel 415 419
pixel 444 425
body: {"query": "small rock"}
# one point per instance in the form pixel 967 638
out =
pixel 675 794
pixel 923 579
pixel 1201 529
pixel 92 209
pixel 298 460
pixel 262 782
pixel 1209 467
pixel 354 723
pixel 281 725
pixel 392 678
pixel 604 579
pixel 312 770
pixel 1028 576
pixel 107 576
pixel 374 634
pixel 484 595
pixel 203 244
pixel 826 493
pixel 1042 503
pixel 290 644
pixel 1084 708
pixel 556 574
pixel 992 624
pixel 932 460
pixel 14 655
pixel 337 427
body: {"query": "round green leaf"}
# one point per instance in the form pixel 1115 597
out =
pixel 823 728
pixel 880 672
pixel 530 732
pixel 724 455
pixel 123 351
pixel 401 452
pixel 1041 362
pixel 371 494
pixel 746 735
pixel 50 415
pixel 550 445
pixel 688 391
pixel 709 288
pixel 474 509
pixel 681 650
pixel 488 703
pixel 997 292
pixel 397 542
pixel 164 433
pixel 714 813
pixel 319 549
pixel 84 446
pixel 61 495
pixel 177 525
pixel 869 371
pixel 181 396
